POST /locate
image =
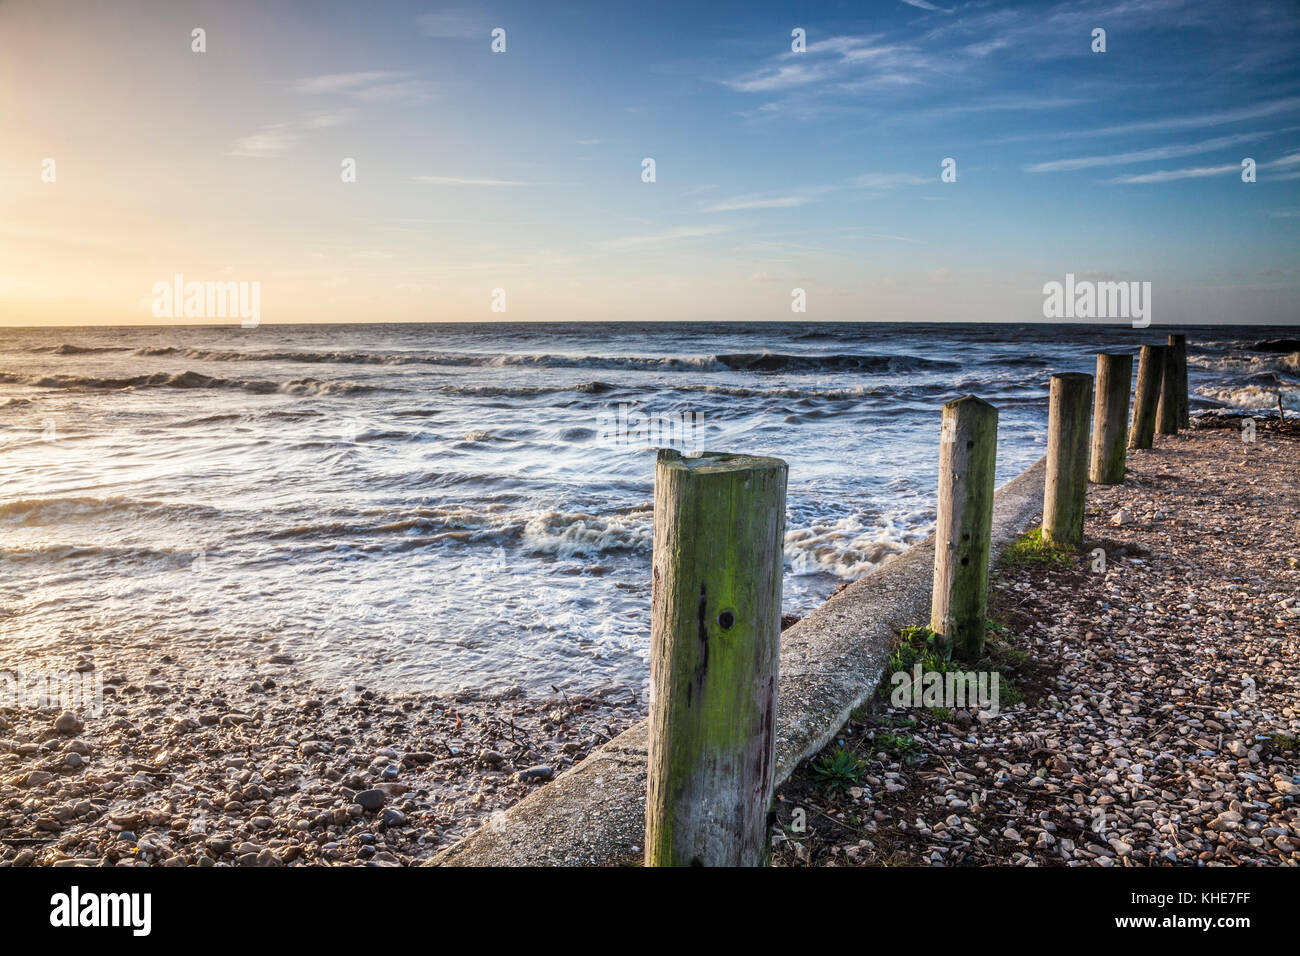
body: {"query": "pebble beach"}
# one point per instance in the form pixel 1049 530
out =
pixel 1159 724
pixel 182 772
pixel 1160 717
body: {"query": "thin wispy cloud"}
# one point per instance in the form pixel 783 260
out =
pixel 676 234
pixel 1170 175
pixel 887 181
pixel 847 60
pixel 466 181
pixel 371 87
pixel 1010 104
pixel 924 5
pixel 772 202
pixel 1289 165
pixel 1059 31
pixel 1143 155
pixel 276 138
pixel 1193 121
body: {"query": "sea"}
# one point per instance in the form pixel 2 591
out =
pixel 468 507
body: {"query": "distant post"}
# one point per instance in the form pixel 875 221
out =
pixel 1151 364
pixel 715 631
pixel 967 458
pixel 1110 418
pixel 1178 345
pixel 1167 407
pixel 1066 484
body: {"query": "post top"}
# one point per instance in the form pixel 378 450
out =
pixel 968 400
pixel 1072 376
pixel 709 462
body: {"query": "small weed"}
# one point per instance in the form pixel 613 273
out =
pixel 839 769
pixel 891 720
pixel 1283 742
pixel 1030 549
pixel 942 714
pixel 1008 693
pixel 920 645
pixel 902 746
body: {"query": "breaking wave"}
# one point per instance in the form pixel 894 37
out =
pixel 732 362
pixel 190 379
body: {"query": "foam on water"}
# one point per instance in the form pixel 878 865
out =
pixel 441 506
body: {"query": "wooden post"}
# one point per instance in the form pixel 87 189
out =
pixel 1178 345
pixel 967 458
pixel 1151 363
pixel 1167 407
pixel 1110 418
pixel 1065 489
pixel 715 631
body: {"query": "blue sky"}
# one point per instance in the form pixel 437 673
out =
pixel 774 169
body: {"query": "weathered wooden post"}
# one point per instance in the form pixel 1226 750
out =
pixel 1151 366
pixel 1069 413
pixel 715 631
pixel 1167 407
pixel 1178 345
pixel 967 458
pixel 1110 419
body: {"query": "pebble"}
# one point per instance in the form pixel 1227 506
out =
pixel 537 774
pixel 68 723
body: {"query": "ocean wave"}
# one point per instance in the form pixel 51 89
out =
pixel 69 349
pixel 777 362
pixel 734 362
pixel 117 554
pixel 550 532
pixel 525 391
pixel 39 511
pixel 1288 363
pixel 1277 345
pixel 845 549
pixel 190 379
pixel 572 535
pixel 1251 397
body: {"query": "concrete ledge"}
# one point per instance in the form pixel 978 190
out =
pixel 831 663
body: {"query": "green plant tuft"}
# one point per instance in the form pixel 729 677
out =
pixel 904 747
pixel 1030 549
pixel 839 770
pixel 920 645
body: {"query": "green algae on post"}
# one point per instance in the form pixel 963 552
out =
pixel 719 531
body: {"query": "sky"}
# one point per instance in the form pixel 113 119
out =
pixel 516 179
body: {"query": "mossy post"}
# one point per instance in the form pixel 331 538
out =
pixel 1069 415
pixel 1110 419
pixel 968 444
pixel 1151 367
pixel 1178 345
pixel 1167 406
pixel 715 632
